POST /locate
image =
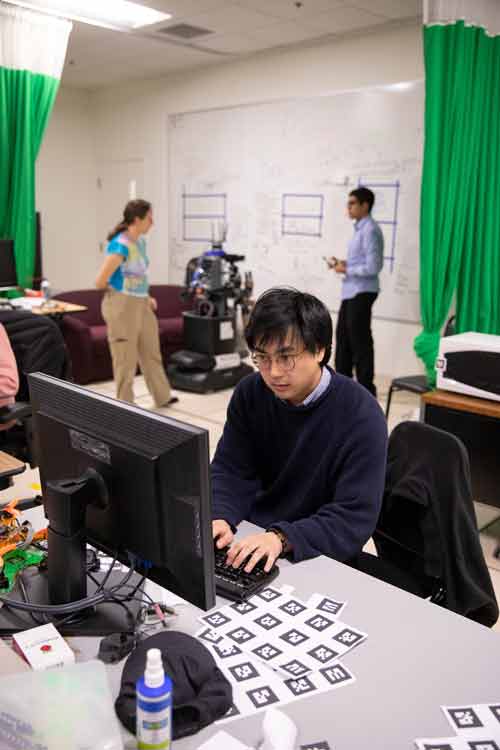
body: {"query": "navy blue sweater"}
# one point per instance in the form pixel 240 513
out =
pixel 316 472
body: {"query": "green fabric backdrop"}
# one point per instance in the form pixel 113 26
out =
pixel 26 101
pixel 459 222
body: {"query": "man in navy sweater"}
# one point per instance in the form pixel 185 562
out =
pixel 303 451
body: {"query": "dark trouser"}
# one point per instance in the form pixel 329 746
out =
pixel 354 342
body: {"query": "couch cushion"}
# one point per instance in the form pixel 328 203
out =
pixel 168 298
pixel 171 329
pixel 98 333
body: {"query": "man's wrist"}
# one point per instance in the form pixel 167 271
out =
pixel 285 544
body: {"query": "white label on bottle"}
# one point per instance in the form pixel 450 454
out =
pixel 153 728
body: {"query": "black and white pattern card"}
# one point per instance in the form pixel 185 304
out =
pixel 326 604
pixel 440 743
pixel 477 726
pixel 288 634
pixel 457 743
pixel 475 721
pixel 255 687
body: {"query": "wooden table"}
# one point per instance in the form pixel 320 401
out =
pixel 476 421
pixel 9 466
pixel 56 307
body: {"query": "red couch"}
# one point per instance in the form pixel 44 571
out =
pixel 85 332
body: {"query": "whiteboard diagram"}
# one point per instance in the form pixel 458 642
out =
pixel 302 214
pixel 199 211
pixel 279 174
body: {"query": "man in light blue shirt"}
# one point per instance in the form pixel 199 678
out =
pixel 360 288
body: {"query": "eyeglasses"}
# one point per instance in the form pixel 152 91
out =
pixel 284 361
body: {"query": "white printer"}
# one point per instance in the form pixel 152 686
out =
pixel 470 363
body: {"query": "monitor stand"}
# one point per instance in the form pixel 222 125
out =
pixel 106 618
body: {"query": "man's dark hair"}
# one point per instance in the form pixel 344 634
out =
pixel 364 195
pixel 282 308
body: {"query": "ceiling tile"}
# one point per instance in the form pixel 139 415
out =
pixel 234 43
pixel 392 8
pixel 228 20
pixel 103 57
pixel 290 9
pixel 183 7
pixel 287 32
pixel 343 19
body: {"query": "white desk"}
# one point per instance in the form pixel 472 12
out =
pixel 417 657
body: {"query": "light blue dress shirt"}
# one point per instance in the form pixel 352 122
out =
pixel 365 258
pixel 323 384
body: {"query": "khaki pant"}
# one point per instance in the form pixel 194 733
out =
pixel 134 338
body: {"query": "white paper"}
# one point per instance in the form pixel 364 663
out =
pixel 223 741
pixel 278 731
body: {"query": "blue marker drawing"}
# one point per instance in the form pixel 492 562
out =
pixel 311 221
pixel 219 212
pixel 393 223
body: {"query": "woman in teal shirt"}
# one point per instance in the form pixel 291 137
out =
pixel 128 309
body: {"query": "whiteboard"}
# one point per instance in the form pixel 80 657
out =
pixel 279 174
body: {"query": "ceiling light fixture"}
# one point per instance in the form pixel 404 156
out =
pixel 119 15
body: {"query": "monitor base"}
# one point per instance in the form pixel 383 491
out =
pixel 106 618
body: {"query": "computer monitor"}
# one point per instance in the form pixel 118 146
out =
pixel 130 482
pixel 8 275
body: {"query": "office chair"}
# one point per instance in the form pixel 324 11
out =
pixel 426 536
pixel 415 383
pixel 18 440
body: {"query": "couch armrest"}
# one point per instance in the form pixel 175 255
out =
pixel 77 335
pixel 78 340
pixel 72 323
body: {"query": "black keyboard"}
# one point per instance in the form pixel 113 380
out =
pixel 234 583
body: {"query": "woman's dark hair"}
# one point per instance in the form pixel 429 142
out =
pixel 283 308
pixel 136 209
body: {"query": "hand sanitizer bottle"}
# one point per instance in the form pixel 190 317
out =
pixel 154 705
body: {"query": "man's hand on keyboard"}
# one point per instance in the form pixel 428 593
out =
pixel 221 532
pixel 255 547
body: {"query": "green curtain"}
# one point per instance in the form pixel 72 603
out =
pixel 459 219
pixel 26 101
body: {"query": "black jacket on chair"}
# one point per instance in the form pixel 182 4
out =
pixel 38 346
pixel 427 527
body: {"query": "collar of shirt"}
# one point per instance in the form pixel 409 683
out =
pixel 361 222
pixel 322 386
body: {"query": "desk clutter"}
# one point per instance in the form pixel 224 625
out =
pixel 59 709
pixel 477 727
pixel 275 648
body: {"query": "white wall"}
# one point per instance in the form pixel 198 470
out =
pixel 130 122
pixel 66 193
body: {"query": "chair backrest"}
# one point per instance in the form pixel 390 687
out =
pixel 38 346
pixel 428 510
